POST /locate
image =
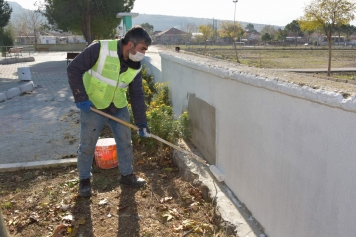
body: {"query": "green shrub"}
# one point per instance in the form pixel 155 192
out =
pixel 148 86
pixel 7 37
pixel 161 95
pixel 185 125
pixel 160 117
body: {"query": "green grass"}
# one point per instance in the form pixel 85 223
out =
pixel 7 204
pixel 344 75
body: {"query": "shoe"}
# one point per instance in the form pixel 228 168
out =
pixel 84 188
pixel 132 180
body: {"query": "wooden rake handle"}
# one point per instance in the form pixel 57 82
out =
pixel 151 135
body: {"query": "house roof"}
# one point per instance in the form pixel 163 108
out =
pixel 156 32
pixel 171 31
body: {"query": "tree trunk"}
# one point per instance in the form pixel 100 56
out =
pixel 87 31
pixel 35 34
pixel 237 57
pixel 329 44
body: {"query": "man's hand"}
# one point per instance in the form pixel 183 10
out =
pixel 84 105
pixel 143 131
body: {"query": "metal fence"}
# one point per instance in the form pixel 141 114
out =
pixel 16 51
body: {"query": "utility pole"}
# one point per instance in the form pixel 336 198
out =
pixel 213 31
pixel 234 1
pixel 216 30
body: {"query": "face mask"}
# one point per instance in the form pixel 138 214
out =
pixel 136 57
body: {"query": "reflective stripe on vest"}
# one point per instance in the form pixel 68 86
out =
pixel 103 83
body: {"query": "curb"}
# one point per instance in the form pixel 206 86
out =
pixel 16 60
pixel 37 164
pixel 230 214
pixel 16 91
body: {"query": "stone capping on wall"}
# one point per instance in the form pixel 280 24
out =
pixel 334 94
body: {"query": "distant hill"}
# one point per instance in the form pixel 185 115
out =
pixel 159 22
pixel 17 11
pixel 163 22
pixel 15 6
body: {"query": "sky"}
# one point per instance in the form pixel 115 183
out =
pixel 270 12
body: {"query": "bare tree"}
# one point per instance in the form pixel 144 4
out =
pixel 189 28
pixel 271 30
pixel 30 23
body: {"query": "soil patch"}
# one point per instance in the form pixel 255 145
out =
pixel 42 202
pixel 301 79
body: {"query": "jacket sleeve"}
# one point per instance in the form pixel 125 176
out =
pixel 137 99
pixel 76 69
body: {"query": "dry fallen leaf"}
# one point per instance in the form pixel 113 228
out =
pixel 81 221
pixel 189 224
pixel 166 199
pixel 144 194
pixel 163 176
pixel 103 202
pixel 178 228
pixel 174 213
pixel 168 169
pixel 140 162
pixel 122 207
pixel 207 227
pixel 34 217
pixel 58 232
pixel 68 219
pixel 162 208
pixel 168 216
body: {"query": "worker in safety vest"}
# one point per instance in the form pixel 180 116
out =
pixel 99 77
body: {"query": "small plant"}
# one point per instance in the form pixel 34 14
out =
pixel 161 96
pixel 8 205
pixel 148 86
pixel 185 125
pixel 72 183
pixel 160 116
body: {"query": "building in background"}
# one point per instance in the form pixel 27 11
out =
pixel 171 36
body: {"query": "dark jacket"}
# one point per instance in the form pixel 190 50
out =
pixel 86 60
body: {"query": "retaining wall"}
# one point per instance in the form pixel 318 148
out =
pixel 287 151
pixel 63 47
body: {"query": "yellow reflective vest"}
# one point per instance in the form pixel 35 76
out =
pixel 103 82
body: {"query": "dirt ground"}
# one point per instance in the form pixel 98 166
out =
pixel 314 81
pixel 279 57
pixel 44 202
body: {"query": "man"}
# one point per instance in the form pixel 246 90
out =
pixel 99 77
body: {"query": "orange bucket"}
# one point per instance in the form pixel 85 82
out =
pixel 105 153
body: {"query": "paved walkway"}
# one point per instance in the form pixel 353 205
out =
pixel 42 125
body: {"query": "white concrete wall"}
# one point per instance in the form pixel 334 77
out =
pixel 288 152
